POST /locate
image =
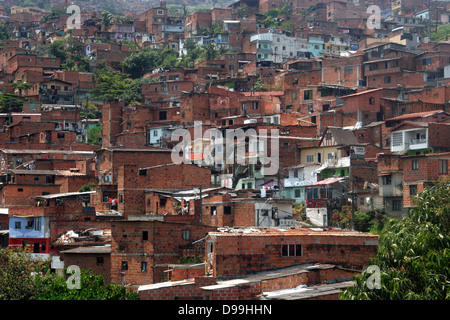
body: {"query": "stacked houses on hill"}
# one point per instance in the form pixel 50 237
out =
pixel 304 106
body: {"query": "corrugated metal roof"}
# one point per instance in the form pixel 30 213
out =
pixel 62 195
pixel 326 182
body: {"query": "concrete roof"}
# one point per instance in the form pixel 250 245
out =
pixel 309 292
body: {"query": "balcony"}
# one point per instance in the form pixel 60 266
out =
pixel 413 139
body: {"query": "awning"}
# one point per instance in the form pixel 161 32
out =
pixel 326 182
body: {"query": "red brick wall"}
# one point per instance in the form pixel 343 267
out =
pixel 333 70
pixel 164 246
pixel 239 254
pixel 12 196
pixel 111 120
pixel 89 261
pixel 185 291
pixel 191 288
pixel 179 273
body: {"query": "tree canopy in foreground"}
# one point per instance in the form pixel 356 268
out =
pixel 414 253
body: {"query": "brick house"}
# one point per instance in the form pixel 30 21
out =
pixel 108 163
pixel 344 71
pixel 141 250
pixel 132 181
pixel 420 171
pixel 283 283
pixel 41 223
pixel 231 254
pixel 390 173
pixel 419 137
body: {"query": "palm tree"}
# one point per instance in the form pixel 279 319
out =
pixel 107 20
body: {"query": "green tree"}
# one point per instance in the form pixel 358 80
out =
pixel 240 12
pixel 92 287
pixel 57 49
pixel 10 103
pixel 107 20
pixel 94 135
pixel 110 84
pixel 259 85
pixel 140 62
pixel 17 270
pixel 133 93
pixel 4 32
pixel 414 253
pixel 89 111
pixel 287 9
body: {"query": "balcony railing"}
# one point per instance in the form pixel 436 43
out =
pixel 417 141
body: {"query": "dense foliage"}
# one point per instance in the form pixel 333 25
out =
pixel 369 221
pixel 25 278
pixel 414 253
pixel 92 287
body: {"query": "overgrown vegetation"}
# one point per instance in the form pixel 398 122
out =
pixel 23 277
pixel 414 253
pixel 372 221
pixel 189 260
pixel 279 18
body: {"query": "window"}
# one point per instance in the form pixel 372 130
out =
pixel 310 158
pixel 426 61
pixel 298 193
pixel 163 115
pixel 19 189
pixel 37 224
pixel 213 210
pixel 387 180
pixel 328 136
pixel 387 79
pixel 100 261
pixel 348 70
pixel 143 266
pixel 226 210
pixel 17 225
pixel 144 235
pixel 291 250
pixel 186 235
pixel 412 190
pixel 396 205
pixel 255 105
pixel 307 94
pixel 43 247
pixel 124 265
pixel 415 164
pixel 50 179
pixel 443 167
